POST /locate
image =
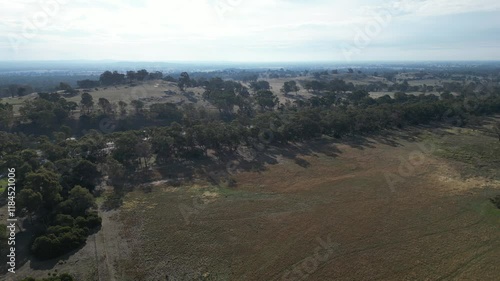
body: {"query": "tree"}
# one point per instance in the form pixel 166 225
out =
pixel 224 95
pixel 131 75
pixel 447 96
pixel 46 112
pixel 315 86
pixel 143 152
pixel 142 74
pixel 21 91
pixel 125 151
pixel 155 75
pixel 87 102
pixel 184 81
pixel 111 78
pixel 47 184
pixel 84 173
pixel 65 87
pixel 81 200
pixel 400 97
pixel 105 106
pixel 162 145
pixel 356 96
pixel 261 85
pixel 87 84
pixel 123 108
pixel 6 116
pixel 266 99
pixel 165 111
pixel 115 172
pixel 138 106
pixel 289 87
pixel 31 201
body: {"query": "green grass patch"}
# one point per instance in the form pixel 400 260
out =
pixel 488 211
pixel 479 154
pixel 486 153
pixel 3 185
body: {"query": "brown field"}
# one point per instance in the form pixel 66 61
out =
pixel 435 223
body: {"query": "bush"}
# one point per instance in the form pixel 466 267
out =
pixel 66 234
pixel 64 220
pixel 496 201
pixel 58 240
pixel 90 221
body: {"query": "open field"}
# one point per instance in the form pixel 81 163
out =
pixel 434 222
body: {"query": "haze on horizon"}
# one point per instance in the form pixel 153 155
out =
pixel 250 31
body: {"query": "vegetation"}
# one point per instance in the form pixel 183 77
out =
pixel 496 201
pixel 61 157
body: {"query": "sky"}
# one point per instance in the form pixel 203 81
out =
pixel 250 30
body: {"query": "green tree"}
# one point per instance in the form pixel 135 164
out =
pixel 123 108
pixel 6 116
pixel 266 99
pixel 87 102
pixel 47 184
pixel 125 151
pixel 184 81
pixel 81 200
pixel 31 201
pixel 138 106
pixel 261 85
pixel 289 87
pixel 105 106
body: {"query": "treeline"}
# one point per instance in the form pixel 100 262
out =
pixel 109 78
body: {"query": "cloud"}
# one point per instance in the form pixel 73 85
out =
pixel 234 29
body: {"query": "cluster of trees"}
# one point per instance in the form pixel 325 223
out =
pixel 109 78
pixel 335 85
pixel 6 116
pixel 290 87
pixel 327 115
pixel 55 179
pixel 15 90
pixel 49 111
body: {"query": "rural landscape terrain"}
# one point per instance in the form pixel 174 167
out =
pixel 334 174
pixel 263 140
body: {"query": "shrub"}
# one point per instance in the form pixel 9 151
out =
pixel 64 220
pixel 496 201
pixel 58 240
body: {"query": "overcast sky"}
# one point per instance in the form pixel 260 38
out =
pixel 250 30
